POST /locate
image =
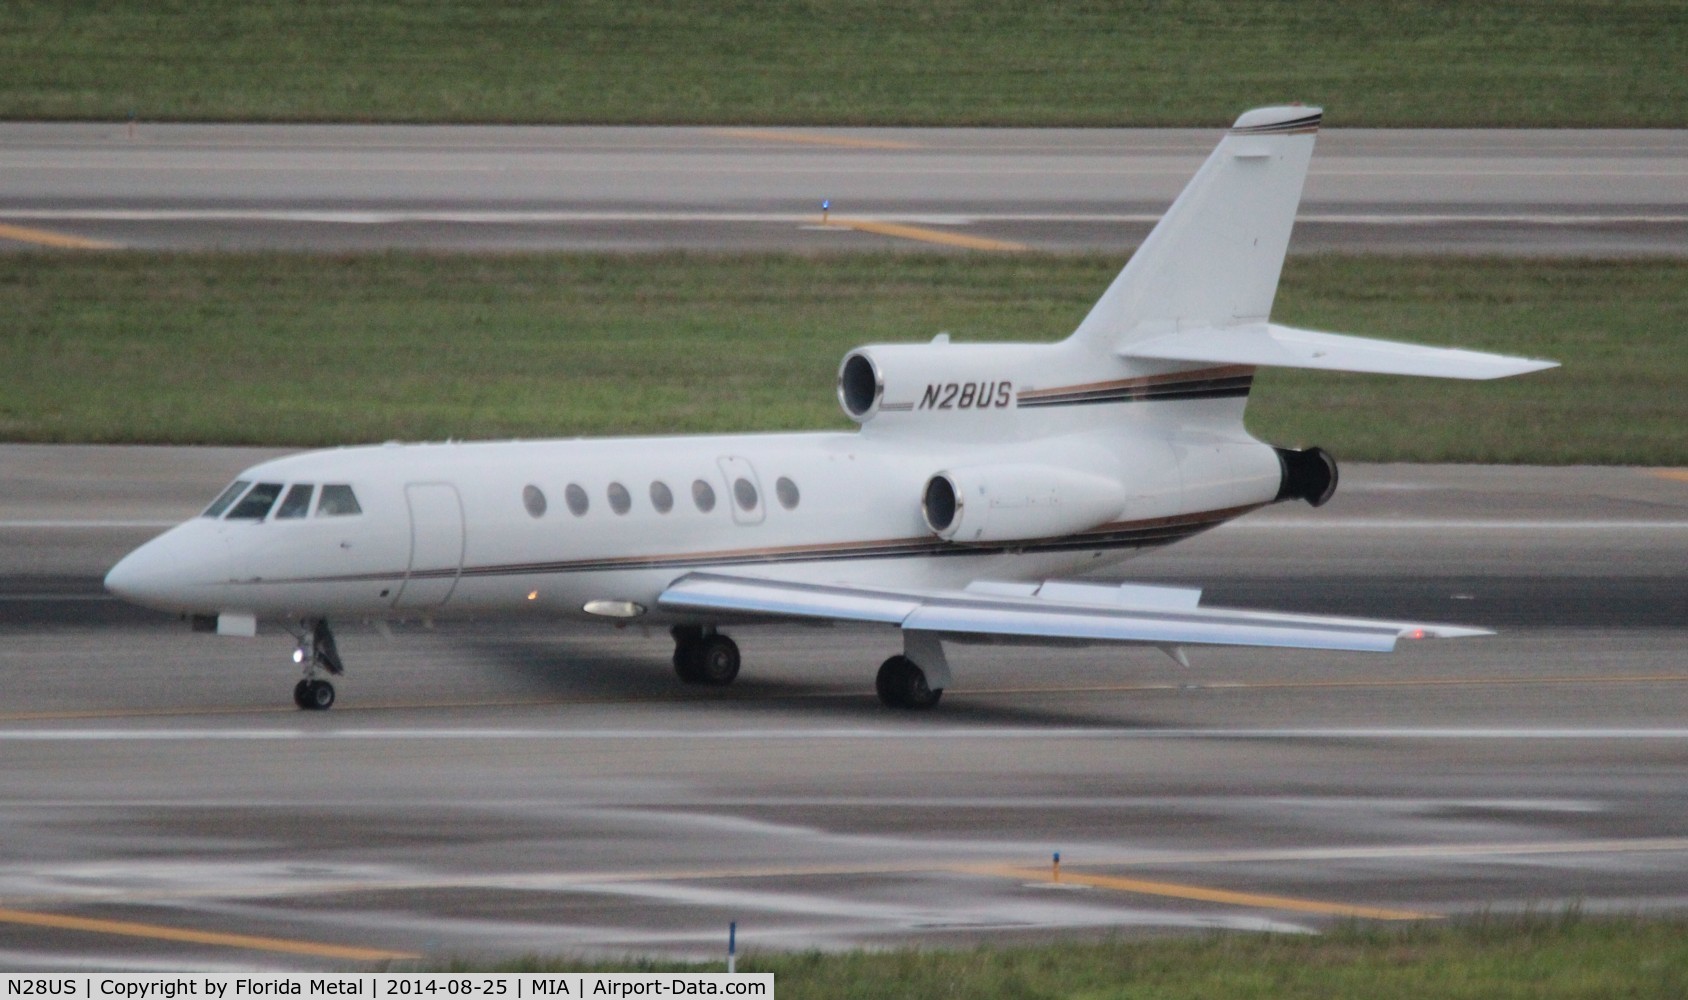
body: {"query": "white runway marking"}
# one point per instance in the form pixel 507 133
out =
pixel 545 217
pixel 865 733
pixel 27 525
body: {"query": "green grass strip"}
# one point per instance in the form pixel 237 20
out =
pixel 1509 958
pixel 289 349
pixel 847 62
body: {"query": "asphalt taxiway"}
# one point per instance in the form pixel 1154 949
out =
pixel 498 788
pixel 352 187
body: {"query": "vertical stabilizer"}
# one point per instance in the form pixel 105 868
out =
pixel 1213 260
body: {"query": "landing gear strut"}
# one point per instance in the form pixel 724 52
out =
pixel 316 652
pixel 704 656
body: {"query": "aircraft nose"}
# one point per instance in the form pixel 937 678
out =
pixel 159 575
pixel 138 577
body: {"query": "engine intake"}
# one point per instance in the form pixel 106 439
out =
pixel 1011 503
pixel 860 386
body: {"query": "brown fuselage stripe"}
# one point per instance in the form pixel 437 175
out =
pixel 1120 534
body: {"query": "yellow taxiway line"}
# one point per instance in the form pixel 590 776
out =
pixel 1680 475
pixel 811 139
pixel 159 932
pixel 925 235
pixel 48 238
pixel 1174 890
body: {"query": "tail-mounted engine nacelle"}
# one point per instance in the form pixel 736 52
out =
pixel 1308 475
pixel 1011 503
pixel 934 382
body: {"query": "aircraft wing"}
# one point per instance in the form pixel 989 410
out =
pixel 1053 612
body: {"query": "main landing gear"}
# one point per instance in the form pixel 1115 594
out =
pixel 316 652
pixel 704 656
pixel 915 680
pixel 902 684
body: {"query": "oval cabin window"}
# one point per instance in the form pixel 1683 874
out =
pixel 786 490
pixel 703 495
pixel 576 499
pixel 744 491
pixel 620 500
pixel 534 500
pixel 662 498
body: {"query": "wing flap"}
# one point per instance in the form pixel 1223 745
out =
pixel 1059 612
pixel 718 592
pixel 1272 345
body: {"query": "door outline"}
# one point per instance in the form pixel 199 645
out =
pixel 440 553
pixel 734 467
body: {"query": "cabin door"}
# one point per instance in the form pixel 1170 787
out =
pixel 436 545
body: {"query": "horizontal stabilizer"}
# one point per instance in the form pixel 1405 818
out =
pixel 1058 612
pixel 1272 345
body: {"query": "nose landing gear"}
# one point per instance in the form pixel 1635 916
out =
pixel 316 652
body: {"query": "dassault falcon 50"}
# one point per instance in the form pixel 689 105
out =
pixel 983 478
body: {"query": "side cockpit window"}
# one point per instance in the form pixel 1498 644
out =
pixel 256 503
pixel 297 503
pixel 225 498
pixel 337 500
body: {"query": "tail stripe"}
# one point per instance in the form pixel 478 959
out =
pixel 1205 383
pixel 1299 126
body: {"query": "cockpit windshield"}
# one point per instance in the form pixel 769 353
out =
pixel 256 503
pixel 225 498
pixel 337 499
pixel 298 502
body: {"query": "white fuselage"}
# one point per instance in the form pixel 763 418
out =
pixel 448 529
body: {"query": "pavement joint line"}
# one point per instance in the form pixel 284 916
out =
pixel 1204 894
pixel 48 238
pixel 925 235
pixel 159 932
pixel 72 715
pixel 305 731
pixel 576 881
pixel 1428 682
pixel 816 139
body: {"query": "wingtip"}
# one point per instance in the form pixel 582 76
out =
pixel 1443 632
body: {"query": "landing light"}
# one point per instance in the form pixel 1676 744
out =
pixel 533 595
pixel 613 609
pixel 299 655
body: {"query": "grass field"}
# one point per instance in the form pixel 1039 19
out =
pixel 880 62
pixel 308 350
pixel 1552 958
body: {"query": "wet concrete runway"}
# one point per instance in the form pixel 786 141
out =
pixel 1529 192
pixel 493 790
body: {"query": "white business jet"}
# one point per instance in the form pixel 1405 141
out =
pixel 982 476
